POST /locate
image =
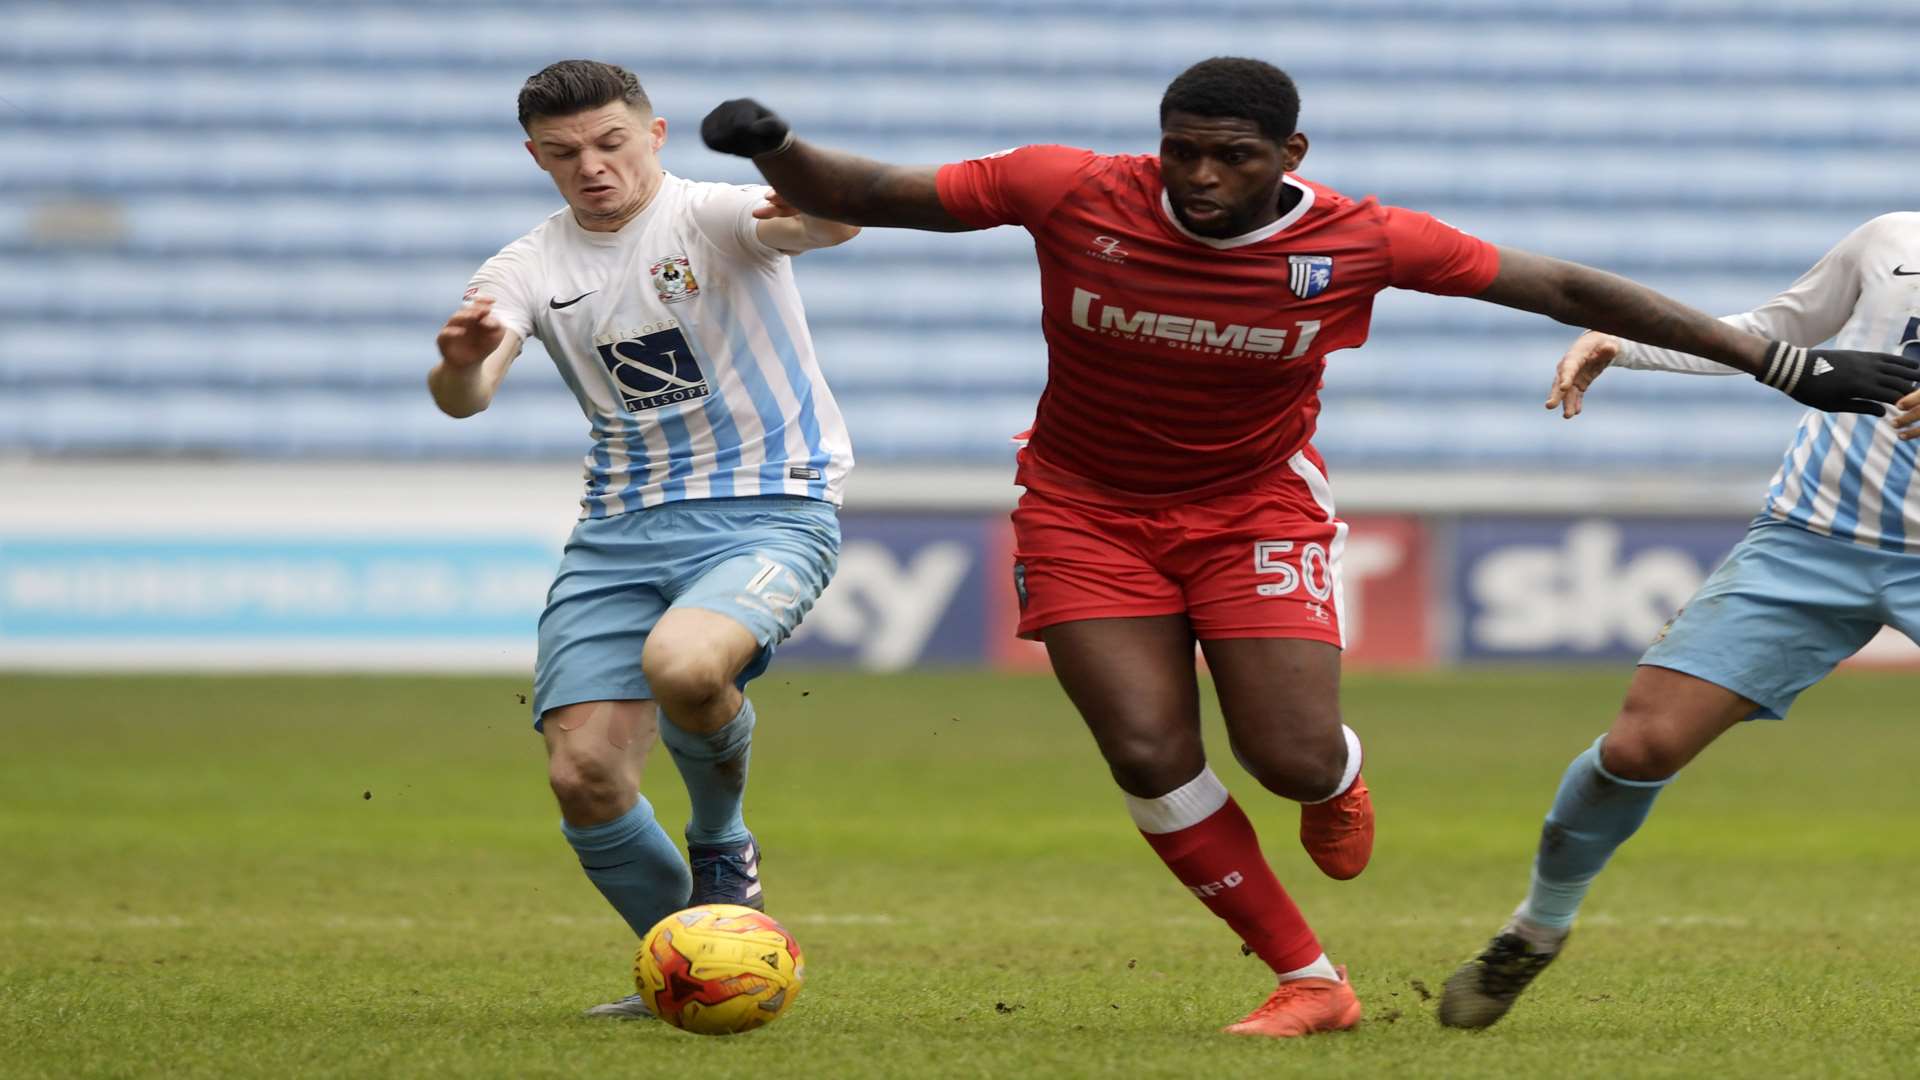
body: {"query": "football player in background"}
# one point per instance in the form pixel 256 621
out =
pixel 1189 300
pixel 708 526
pixel 1833 557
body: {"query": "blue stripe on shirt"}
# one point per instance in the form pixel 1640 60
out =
pixel 638 469
pixel 1894 492
pixel 773 422
pixel 601 473
pixel 802 387
pixel 679 455
pixel 639 473
pixel 726 454
pixel 1786 468
pixel 1846 519
pixel 726 434
pixel 597 473
pixel 599 461
pixel 1802 512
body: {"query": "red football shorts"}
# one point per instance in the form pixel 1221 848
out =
pixel 1259 563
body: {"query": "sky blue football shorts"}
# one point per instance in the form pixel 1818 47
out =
pixel 761 561
pixel 1786 606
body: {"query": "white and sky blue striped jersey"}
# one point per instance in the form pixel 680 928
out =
pixel 1846 475
pixel 683 337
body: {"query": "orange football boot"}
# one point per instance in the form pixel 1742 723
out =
pixel 1302 1007
pixel 1338 833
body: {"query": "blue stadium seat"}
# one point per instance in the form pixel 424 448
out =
pixel 232 228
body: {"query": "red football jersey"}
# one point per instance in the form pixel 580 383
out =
pixel 1180 366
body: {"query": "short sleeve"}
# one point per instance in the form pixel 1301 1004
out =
pixel 724 215
pixel 512 279
pixel 1013 187
pixel 1432 256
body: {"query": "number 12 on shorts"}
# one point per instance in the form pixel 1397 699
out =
pixel 1276 557
pixel 773 586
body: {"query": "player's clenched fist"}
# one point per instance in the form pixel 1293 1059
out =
pixel 745 128
pixel 471 334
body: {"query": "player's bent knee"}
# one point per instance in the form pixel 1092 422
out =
pixel 1642 745
pixel 582 782
pixel 1299 780
pixel 1304 772
pixel 1145 766
pixel 685 674
pixel 1636 757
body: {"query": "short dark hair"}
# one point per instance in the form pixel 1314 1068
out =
pixel 577 86
pixel 1237 87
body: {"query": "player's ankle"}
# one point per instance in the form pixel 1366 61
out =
pixel 1320 968
pixel 1540 936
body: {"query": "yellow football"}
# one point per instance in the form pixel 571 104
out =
pixel 718 969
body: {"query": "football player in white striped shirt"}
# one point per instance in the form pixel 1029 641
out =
pixel 1832 559
pixel 708 525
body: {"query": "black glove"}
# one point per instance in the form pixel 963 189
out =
pixel 1839 380
pixel 745 128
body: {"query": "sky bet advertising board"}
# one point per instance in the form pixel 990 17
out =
pixel 1577 588
pixel 1596 588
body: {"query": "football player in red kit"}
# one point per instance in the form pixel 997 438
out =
pixel 1172 494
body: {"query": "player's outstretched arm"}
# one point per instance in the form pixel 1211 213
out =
pixel 1811 310
pixel 783 227
pixel 476 349
pixel 1836 380
pixel 1592 353
pixel 828 183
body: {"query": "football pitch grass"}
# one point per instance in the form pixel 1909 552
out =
pixel 362 877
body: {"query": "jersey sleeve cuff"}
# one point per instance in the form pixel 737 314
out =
pixel 747 229
pixel 949 184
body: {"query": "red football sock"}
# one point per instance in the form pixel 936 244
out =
pixel 1218 859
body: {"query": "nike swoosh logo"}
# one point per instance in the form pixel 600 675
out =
pixel 1902 271
pixel 558 304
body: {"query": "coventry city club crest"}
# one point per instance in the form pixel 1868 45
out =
pixel 673 279
pixel 1309 275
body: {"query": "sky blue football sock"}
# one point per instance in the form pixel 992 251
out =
pixel 635 864
pixel 714 767
pixel 1593 813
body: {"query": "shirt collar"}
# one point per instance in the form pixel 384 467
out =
pixel 1264 232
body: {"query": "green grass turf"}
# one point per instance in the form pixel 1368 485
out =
pixel 196 883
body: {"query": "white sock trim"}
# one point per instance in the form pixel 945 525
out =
pixel 1352 771
pixel 1319 969
pixel 1539 937
pixel 1184 807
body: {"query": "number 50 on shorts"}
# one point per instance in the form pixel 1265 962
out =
pixel 1291 572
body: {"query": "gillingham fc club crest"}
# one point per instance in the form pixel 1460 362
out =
pixel 673 279
pixel 1309 275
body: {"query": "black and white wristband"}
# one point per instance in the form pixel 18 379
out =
pixel 786 144
pixel 1785 364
